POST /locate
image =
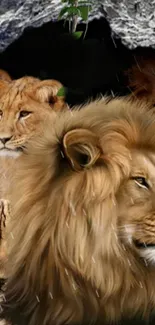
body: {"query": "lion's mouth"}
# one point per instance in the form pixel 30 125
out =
pixel 140 244
pixel 7 152
pixel 15 149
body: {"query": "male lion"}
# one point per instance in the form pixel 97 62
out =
pixel 24 105
pixel 81 240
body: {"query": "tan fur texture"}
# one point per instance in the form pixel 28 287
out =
pixel 24 105
pixel 78 209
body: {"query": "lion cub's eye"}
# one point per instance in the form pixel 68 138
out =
pixel 23 114
pixel 1 113
pixel 141 182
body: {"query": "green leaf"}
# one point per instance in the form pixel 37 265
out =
pixel 84 3
pixel 69 1
pixel 63 12
pixel 74 11
pixel 62 92
pixel 71 11
pixel 84 11
pixel 77 35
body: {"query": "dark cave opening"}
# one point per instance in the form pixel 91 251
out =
pixel 87 68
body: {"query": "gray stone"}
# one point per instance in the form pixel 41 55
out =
pixel 131 20
pixel 134 21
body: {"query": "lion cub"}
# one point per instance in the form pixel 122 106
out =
pixel 24 104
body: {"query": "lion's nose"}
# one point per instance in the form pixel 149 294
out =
pixel 4 140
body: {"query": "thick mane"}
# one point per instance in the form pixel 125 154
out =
pixel 66 263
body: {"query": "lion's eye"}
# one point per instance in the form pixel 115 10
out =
pixel 23 114
pixel 1 113
pixel 141 182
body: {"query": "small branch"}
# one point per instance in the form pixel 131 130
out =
pixel 74 23
pixel 75 19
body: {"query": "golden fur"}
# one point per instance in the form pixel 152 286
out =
pixel 79 209
pixel 24 105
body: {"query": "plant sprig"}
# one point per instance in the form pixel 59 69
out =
pixel 73 10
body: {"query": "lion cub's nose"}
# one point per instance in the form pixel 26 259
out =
pixel 4 140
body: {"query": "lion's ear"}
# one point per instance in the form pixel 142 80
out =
pixel 4 80
pixel 46 92
pixel 4 76
pixel 81 147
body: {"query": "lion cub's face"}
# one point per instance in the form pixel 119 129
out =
pixel 136 206
pixel 24 104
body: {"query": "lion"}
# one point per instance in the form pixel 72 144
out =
pixel 24 104
pixel 81 238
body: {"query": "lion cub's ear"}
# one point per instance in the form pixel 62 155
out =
pixel 46 92
pixel 81 147
pixel 4 76
pixel 4 80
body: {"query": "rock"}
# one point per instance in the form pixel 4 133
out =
pixel 131 20
pixel 16 15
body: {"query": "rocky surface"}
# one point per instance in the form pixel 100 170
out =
pixel 131 20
